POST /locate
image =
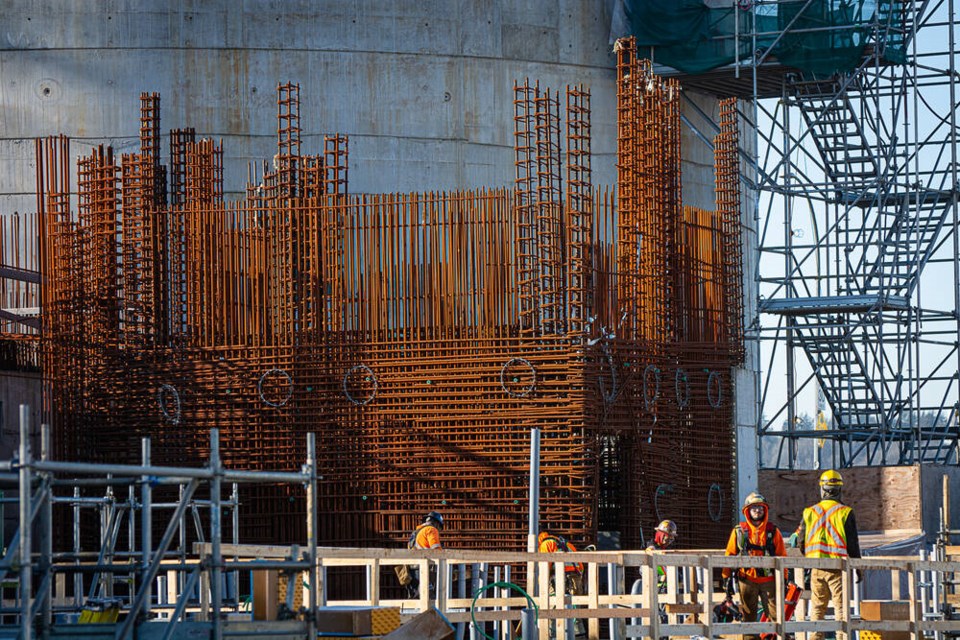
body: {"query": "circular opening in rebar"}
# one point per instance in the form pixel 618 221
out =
pixel 651 386
pixel 714 390
pixel 518 377
pixel 715 502
pixel 360 384
pixel 275 387
pixel 169 400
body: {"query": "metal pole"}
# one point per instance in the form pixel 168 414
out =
pixel 154 567
pixel 235 526
pixel 216 597
pixel 146 537
pixel 954 177
pixel 533 523
pixel 182 537
pixel 108 512
pixel 788 262
pixel 26 576
pixel 312 525
pixel 46 537
pixel 131 529
pixel 528 624
pixel 78 577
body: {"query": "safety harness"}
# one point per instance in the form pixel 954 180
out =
pixel 745 546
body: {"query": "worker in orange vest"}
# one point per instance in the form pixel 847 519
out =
pixel 549 543
pixel 425 536
pixel 573 571
pixel 828 530
pixel 755 536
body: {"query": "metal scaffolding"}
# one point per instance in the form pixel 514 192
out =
pixel 123 577
pixel 858 241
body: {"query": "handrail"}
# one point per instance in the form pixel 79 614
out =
pixel 688 604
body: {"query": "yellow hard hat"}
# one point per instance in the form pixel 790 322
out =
pixel 755 498
pixel 668 527
pixel 831 478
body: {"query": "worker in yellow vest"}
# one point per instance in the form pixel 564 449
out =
pixel 828 530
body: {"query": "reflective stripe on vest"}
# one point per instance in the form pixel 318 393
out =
pixel 825 537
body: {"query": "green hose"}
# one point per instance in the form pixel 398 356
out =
pixel 508 585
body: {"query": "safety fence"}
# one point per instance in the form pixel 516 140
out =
pixel 475 588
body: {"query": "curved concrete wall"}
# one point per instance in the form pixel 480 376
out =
pixel 424 88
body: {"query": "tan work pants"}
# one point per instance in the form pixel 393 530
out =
pixel 826 584
pixel 752 593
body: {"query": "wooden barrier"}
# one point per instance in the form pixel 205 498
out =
pixel 685 608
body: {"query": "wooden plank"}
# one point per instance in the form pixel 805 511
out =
pixel 682 608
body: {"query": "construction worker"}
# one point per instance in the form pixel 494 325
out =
pixel 828 530
pixel 573 571
pixel 755 536
pixel 425 536
pixel 663 538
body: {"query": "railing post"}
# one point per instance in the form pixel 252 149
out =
pixel 651 595
pixel 593 593
pixel 707 566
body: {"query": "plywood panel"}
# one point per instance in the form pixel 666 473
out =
pixel 882 497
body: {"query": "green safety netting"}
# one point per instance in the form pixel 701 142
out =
pixel 822 37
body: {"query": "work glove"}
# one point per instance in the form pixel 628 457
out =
pixel 794 540
pixel 857 576
pixel 730 586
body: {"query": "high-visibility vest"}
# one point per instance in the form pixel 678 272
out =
pixel 554 544
pixel 425 536
pixel 825 535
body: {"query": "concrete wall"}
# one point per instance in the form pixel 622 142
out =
pixel 424 88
